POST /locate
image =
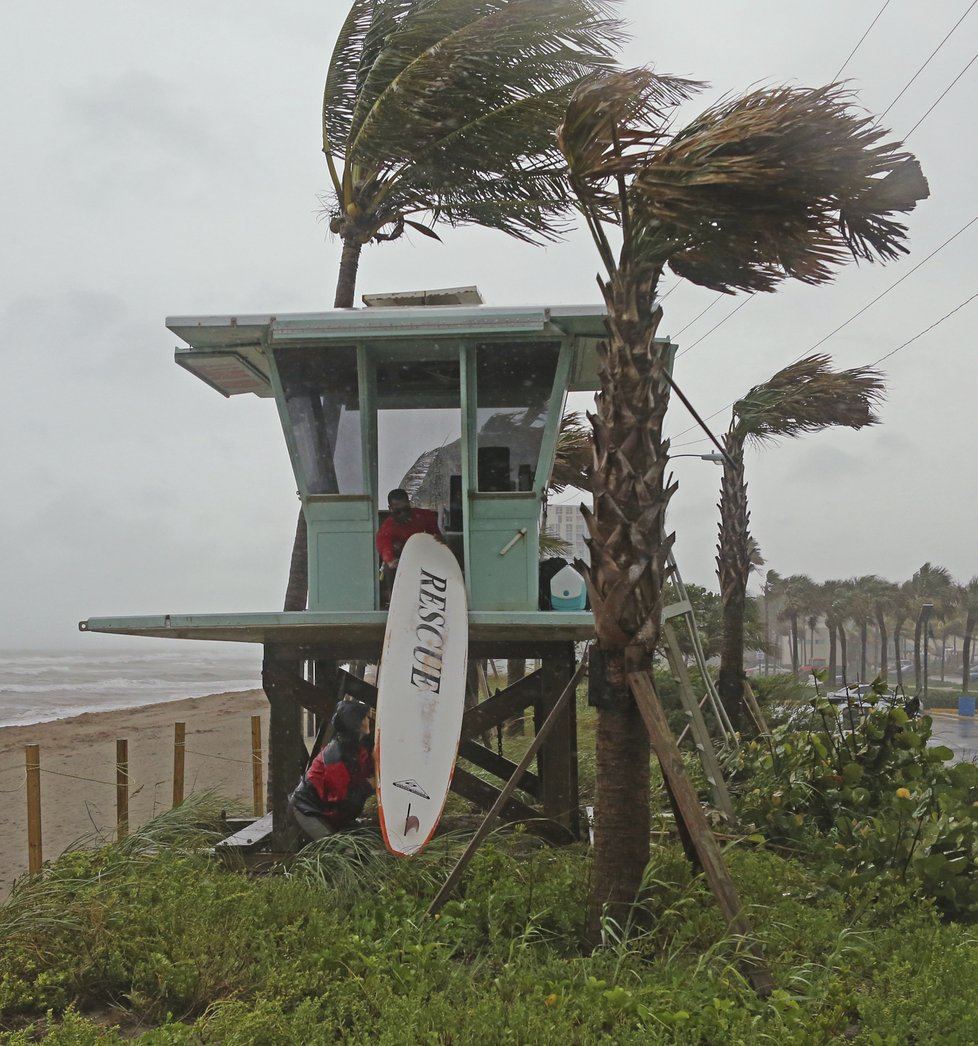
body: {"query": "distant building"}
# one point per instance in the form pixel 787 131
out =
pixel 567 523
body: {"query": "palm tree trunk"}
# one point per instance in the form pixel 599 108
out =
pixel 346 281
pixel 795 665
pixel 833 658
pixel 297 589
pixel 969 630
pixel 863 644
pixel 884 669
pixel 896 653
pixel 622 822
pixel 298 586
pixel 844 654
pixel 916 653
pixel 733 572
pixel 625 578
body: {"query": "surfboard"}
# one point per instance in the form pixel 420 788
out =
pixel 420 693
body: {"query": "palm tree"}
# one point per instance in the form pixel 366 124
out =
pixel 799 595
pixel 860 607
pixel 807 396
pixel 443 111
pixel 932 585
pixel 770 593
pixel 875 591
pixel 779 183
pixel 901 605
pixel 968 601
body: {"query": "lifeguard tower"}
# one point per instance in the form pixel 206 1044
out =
pixel 469 399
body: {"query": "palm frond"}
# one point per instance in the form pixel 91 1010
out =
pixel 574 456
pixel 450 107
pixel 780 183
pixel 808 396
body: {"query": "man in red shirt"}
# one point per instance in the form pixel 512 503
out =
pixel 402 522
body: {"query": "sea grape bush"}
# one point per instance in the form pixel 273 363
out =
pixel 868 793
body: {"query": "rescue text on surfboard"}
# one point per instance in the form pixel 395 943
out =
pixel 430 632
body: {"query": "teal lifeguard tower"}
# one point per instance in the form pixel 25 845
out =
pixel 473 396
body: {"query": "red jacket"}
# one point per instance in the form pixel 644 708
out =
pixel 393 535
pixel 330 791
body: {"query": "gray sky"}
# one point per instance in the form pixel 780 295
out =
pixel 165 160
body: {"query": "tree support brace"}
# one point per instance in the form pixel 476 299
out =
pixel 688 809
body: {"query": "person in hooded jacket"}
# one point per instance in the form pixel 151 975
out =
pixel 339 780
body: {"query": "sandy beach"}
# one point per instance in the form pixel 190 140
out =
pixel 78 794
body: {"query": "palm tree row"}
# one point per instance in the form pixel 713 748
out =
pixel 930 599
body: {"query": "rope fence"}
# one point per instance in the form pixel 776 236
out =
pixel 33 770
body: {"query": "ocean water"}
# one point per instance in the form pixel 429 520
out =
pixel 37 686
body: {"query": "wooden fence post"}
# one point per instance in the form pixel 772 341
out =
pixel 34 858
pixel 122 788
pixel 179 754
pixel 256 766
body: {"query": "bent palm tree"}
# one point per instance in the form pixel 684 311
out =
pixel 930 584
pixel 442 110
pixel 776 184
pixel 803 397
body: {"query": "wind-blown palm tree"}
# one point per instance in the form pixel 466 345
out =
pixel 901 607
pixel 798 595
pixel 968 602
pixel 443 111
pixel 934 585
pixel 782 183
pixel 807 396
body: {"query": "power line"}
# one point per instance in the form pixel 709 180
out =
pixel 883 294
pixel 714 327
pixel 822 341
pixel 707 309
pixel 863 37
pixel 927 330
pixel 939 100
pixel 927 62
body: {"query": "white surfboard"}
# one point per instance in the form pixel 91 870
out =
pixel 420 693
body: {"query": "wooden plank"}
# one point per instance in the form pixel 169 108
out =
pixel 251 836
pixel 503 768
pixel 485 796
pixel 689 810
pixel 505 794
pixel 284 677
pixel 750 699
pixel 501 706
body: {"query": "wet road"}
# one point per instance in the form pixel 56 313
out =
pixel 958 732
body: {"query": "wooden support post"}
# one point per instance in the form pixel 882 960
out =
pixel 257 791
pixel 560 800
pixel 179 761
pixel 689 809
pixel 287 753
pixel 121 788
pixel 34 856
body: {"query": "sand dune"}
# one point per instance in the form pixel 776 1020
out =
pixel 78 794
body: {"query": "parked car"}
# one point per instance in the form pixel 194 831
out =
pixel 861 695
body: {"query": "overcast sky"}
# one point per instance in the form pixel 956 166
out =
pixel 164 159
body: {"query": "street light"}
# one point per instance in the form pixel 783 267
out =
pixel 926 610
pixel 713 456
